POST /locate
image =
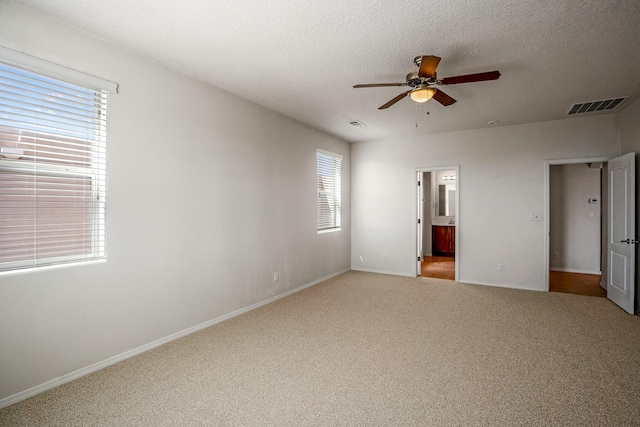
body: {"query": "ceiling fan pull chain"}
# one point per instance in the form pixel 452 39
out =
pixel 416 114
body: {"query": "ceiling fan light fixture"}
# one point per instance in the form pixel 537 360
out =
pixel 422 95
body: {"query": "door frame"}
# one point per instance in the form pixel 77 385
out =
pixel 546 219
pixel 458 222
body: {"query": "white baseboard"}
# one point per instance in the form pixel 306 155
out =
pixel 499 285
pixel 573 270
pixel 374 270
pixel 10 400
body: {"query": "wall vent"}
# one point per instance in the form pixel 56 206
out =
pixel 587 107
pixel 357 123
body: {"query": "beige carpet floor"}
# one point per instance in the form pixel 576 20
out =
pixel 371 350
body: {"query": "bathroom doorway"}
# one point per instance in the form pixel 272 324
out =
pixel 437 234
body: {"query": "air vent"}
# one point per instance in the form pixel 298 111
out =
pixel 357 123
pixel 587 107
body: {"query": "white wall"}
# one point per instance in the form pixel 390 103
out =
pixel 630 142
pixel 574 223
pixel 208 195
pixel 630 128
pixel 501 181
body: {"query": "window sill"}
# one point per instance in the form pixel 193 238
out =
pixel 329 230
pixel 38 268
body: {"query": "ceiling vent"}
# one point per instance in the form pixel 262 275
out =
pixel 357 123
pixel 587 107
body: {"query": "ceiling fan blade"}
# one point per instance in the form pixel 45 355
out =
pixel 428 66
pixel 394 100
pixel 478 77
pixel 379 85
pixel 443 98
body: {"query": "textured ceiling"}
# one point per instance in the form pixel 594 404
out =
pixel 301 58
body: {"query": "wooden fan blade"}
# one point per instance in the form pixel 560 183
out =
pixel 379 85
pixel 394 100
pixel 478 77
pixel 428 66
pixel 443 98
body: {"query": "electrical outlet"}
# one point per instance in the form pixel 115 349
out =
pixel 556 255
pixel 501 267
pixel 276 276
pixel 535 217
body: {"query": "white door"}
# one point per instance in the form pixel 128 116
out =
pixel 420 220
pixel 622 232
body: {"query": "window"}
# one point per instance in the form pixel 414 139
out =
pixel 329 191
pixel 52 164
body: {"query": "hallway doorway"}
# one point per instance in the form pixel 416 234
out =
pixel 576 261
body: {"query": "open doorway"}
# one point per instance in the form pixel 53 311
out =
pixel 577 214
pixel 438 219
pixel 617 226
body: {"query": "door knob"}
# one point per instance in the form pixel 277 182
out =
pixel 629 241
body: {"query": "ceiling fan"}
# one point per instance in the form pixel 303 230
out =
pixel 423 81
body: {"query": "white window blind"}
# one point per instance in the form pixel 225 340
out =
pixel 52 169
pixel 329 191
